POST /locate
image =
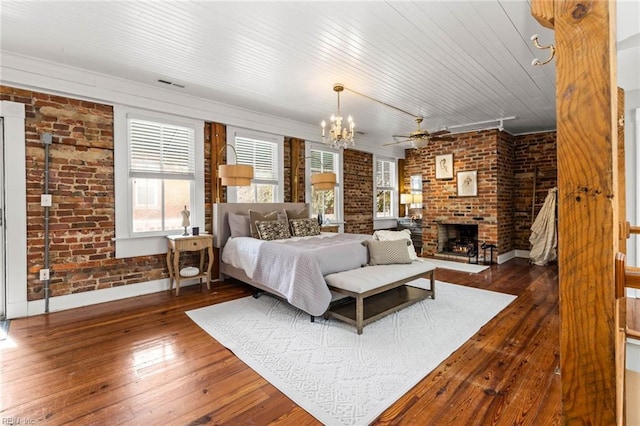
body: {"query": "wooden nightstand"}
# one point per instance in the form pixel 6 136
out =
pixel 180 243
pixel 329 228
pixel 415 227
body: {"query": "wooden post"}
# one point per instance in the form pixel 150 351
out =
pixel 295 169
pixel 622 182
pixel 587 204
pixel 219 138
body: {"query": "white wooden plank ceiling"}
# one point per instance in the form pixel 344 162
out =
pixel 451 62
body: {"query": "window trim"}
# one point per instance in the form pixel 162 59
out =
pixel 232 133
pixel 127 243
pixel 308 147
pixel 394 188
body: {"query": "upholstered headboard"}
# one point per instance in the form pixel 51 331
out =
pixel 221 231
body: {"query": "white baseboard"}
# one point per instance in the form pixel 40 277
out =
pixel 77 300
pixel 504 257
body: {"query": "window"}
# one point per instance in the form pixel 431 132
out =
pixel 158 170
pixel 264 153
pixel 325 203
pixel 385 188
pixel 161 174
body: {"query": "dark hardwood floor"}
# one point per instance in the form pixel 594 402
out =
pixel 142 360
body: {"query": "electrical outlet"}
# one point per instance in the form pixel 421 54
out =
pixel 45 200
pixel 44 274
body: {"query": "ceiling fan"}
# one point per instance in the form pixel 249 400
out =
pixel 420 137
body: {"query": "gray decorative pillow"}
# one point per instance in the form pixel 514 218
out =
pixel 255 216
pixel 272 229
pixel 304 227
pixel 239 225
pixel 298 214
pixel 388 252
pixel 386 235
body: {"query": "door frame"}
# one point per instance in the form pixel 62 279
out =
pixel 15 226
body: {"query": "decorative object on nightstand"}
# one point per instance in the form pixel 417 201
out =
pixel 177 244
pixel 185 220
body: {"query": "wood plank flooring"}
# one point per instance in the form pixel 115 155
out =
pixel 143 360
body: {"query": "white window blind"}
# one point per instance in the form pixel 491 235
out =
pixel 262 155
pixel 323 161
pixel 160 150
pixel 384 174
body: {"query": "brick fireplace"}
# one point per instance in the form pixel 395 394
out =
pixel 490 213
pixel 457 239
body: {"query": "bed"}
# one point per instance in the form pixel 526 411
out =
pixel 292 269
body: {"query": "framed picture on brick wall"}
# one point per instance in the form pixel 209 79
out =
pixel 468 184
pixel 444 166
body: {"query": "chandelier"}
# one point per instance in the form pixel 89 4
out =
pixel 338 136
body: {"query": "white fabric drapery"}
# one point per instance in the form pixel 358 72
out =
pixel 544 236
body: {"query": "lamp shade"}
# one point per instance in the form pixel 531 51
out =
pixel 417 198
pixel 323 181
pixel 405 199
pixel 235 174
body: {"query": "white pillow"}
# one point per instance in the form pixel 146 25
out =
pixel 405 234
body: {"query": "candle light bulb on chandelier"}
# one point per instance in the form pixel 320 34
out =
pixel 338 137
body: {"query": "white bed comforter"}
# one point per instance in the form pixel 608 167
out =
pixel 295 267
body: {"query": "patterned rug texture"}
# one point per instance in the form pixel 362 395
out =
pixel 341 378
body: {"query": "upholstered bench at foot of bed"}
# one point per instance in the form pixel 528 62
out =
pixel 376 291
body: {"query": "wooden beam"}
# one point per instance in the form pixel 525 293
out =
pixel 542 10
pixel 219 138
pixel 622 182
pixel 587 205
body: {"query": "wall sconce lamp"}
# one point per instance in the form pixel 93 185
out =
pixel 323 181
pixel 320 181
pixel 233 174
pixel 408 199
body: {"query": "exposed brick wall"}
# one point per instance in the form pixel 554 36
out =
pixel 471 151
pixel 358 192
pixel 82 216
pixel 287 170
pixel 506 166
pixel 532 153
pixel 208 182
pixel 505 188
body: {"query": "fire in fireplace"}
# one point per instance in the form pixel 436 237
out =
pixel 458 239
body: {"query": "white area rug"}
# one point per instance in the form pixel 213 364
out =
pixel 326 368
pixel 458 266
